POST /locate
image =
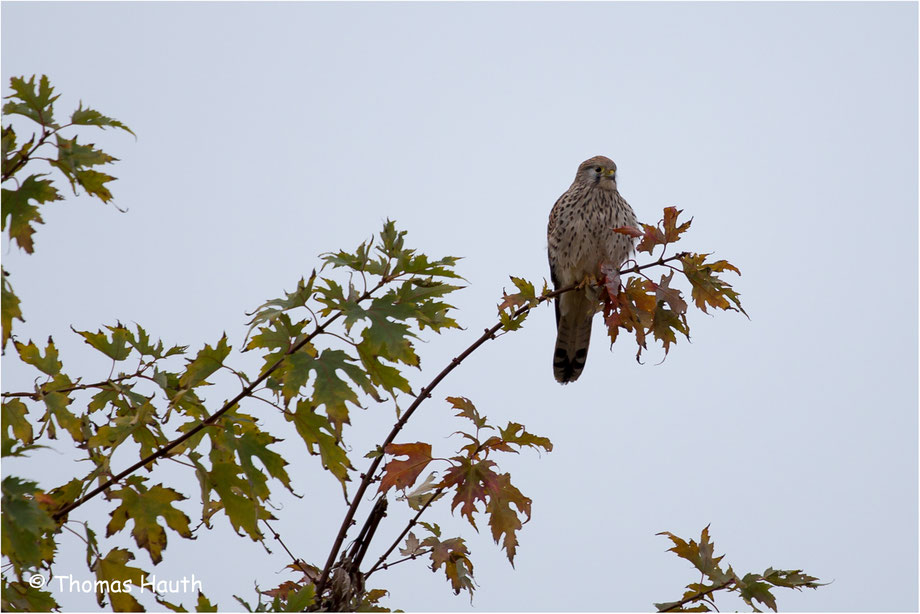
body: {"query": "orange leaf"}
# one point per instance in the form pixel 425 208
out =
pixel 631 231
pixel 403 473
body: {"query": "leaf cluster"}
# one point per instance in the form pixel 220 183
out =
pixel 22 197
pixel 752 588
pixel 317 374
pixel 124 410
pixel 392 294
pixel 644 307
pixel 478 488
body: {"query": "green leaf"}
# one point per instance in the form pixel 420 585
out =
pixel 358 261
pixel 466 409
pixel 58 498
pixel 144 507
pixel 299 601
pixel 295 372
pixel 205 364
pixel 699 554
pixel 114 572
pixel 20 596
pixel 204 604
pixel 752 589
pixel 138 421
pixel 9 308
pixel 708 288
pixel 37 105
pixel 90 117
pixel 516 434
pixel 7 143
pixel 242 509
pixel 73 156
pixel 329 390
pixel 16 207
pixel 26 535
pixel 31 355
pixel 790 579
pixel 385 376
pixel 141 342
pixel 666 323
pixel 317 433
pixel 15 420
pixel 117 348
pixel 57 404
pixel 244 437
pixel 94 183
pixel 280 333
pixel 434 529
pixel 386 336
pixel 270 310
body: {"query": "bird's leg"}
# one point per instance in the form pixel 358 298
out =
pixel 588 280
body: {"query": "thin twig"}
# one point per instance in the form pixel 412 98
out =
pixel 411 557
pixel 380 562
pixel 37 395
pixel 298 562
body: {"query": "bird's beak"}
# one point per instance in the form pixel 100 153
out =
pixel 609 172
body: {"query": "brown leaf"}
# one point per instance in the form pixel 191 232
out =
pixel 708 288
pixel 413 546
pixel 663 292
pixel 453 555
pixel 666 231
pixel 283 589
pixel 467 410
pixel 502 519
pixel 403 473
pixel 470 481
pixel 652 237
pixel 672 231
pixel 630 231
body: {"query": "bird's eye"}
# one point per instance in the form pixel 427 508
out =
pixel 597 169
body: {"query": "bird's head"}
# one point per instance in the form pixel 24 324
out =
pixel 598 171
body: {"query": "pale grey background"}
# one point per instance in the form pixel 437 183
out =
pixel 268 133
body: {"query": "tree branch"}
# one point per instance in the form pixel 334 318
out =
pixel 425 393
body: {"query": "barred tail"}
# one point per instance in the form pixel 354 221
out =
pixel 574 313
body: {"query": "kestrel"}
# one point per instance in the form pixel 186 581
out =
pixel 582 246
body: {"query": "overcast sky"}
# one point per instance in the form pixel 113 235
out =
pixel 269 133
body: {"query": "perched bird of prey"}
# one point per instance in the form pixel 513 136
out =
pixel 581 242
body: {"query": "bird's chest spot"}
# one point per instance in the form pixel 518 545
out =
pixel 591 241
